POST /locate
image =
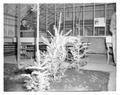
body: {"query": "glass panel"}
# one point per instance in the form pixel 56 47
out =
pixel 50 18
pixel 76 32
pixel 79 17
pixel 81 30
pixel 99 31
pixel 69 17
pixel 88 8
pixel 99 13
pixel 86 12
pixel 108 30
pixel 111 6
pixel 99 6
pixel 88 15
pixel 42 19
pixel 109 13
pixel 88 30
pixel 88 20
pixel 108 27
pixel 60 9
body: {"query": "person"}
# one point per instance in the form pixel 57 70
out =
pixel 113 31
pixel 23 25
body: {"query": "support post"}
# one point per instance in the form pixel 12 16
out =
pixel 55 15
pixel 73 20
pixel 83 21
pixel 37 37
pixel 94 19
pixel 46 16
pixel 18 34
pixel 79 23
pixel 64 18
pixel 105 19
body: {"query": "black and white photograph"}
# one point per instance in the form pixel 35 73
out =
pixel 59 47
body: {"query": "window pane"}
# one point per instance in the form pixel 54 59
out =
pixel 108 30
pixel 79 12
pixel 88 30
pixel 88 15
pixel 109 13
pixel 81 30
pixel 69 17
pixel 88 22
pixel 99 31
pixel 99 13
pixel 111 6
pixel 88 8
pixel 99 6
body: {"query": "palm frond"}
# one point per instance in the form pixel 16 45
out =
pixel 68 33
pixel 50 33
pixel 45 40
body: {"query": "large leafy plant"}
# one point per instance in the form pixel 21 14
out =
pixel 52 65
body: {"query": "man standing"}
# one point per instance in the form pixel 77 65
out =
pixel 113 30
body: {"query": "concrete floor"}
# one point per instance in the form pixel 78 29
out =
pixel 96 62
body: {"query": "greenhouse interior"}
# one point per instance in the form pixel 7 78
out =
pixel 60 47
